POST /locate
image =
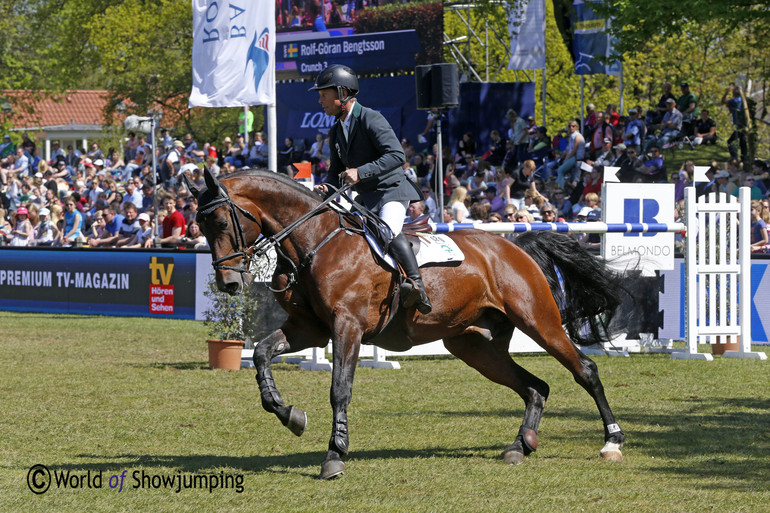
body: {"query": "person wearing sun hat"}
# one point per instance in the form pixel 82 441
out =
pixel 45 232
pixel 22 234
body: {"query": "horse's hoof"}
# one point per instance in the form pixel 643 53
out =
pixel 513 457
pixel 297 421
pixel 332 468
pixel 611 452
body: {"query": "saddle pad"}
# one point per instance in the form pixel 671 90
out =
pixel 433 249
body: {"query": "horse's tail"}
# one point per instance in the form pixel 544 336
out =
pixel 586 290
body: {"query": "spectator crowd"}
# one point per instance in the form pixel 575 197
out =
pixel 521 173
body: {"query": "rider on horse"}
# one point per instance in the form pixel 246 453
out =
pixel 366 153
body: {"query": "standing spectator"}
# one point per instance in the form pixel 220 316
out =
pixel 589 122
pixel 518 133
pixel 248 126
pixel 687 104
pixel 705 129
pixel 737 108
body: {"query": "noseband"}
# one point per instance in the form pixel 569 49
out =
pixel 223 199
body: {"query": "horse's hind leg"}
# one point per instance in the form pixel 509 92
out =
pixel 288 339
pixel 556 342
pixel 488 353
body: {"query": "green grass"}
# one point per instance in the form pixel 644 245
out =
pixel 106 394
pixel 701 156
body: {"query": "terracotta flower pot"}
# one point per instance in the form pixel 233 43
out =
pixel 728 345
pixel 225 354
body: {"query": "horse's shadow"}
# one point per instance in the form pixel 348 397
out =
pixel 303 463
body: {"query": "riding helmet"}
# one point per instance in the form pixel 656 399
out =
pixel 338 76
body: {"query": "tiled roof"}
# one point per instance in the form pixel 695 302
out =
pixel 78 107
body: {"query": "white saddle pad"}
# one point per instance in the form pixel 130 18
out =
pixel 434 249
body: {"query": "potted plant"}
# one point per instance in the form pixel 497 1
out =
pixel 224 319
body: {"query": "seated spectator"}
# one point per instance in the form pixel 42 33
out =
pixel 496 201
pixel 45 231
pixel 95 153
pixel 748 181
pixel 723 182
pixel 592 180
pixel 256 156
pixel 477 184
pixel 479 211
pixel 113 222
pixel 285 156
pixel 653 166
pixel 602 131
pixel 129 228
pixel 681 179
pixel 98 228
pixel 548 213
pixel 466 147
pixel 612 116
pixel 606 156
pixel 414 211
pixel 671 127
pixel 575 153
pixel 634 133
pixel 632 168
pixel 190 149
pixel 496 150
pixel 705 129
pixel 71 232
pixel 759 237
pixel 457 203
pixel 173 225
pixel 761 176
pixel 23 233
pixel 515 184
pixel 194 237
pixel 562 205
pixel 655 117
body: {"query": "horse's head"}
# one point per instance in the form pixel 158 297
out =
pixel 229 229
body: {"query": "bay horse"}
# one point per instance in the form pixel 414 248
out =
pixel 331 286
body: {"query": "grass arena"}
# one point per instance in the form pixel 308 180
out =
pixel 95 398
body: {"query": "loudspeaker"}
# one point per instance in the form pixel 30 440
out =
pixel 437 86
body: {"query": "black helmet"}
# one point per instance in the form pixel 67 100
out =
pixel 338 76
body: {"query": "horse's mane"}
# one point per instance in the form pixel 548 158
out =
pixel 277 177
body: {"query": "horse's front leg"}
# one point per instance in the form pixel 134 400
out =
pixel 287 339
pixel 345 344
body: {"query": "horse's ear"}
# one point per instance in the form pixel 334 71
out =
pixel 194 190
pixel 211 183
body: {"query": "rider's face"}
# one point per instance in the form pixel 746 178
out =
pixel 329 101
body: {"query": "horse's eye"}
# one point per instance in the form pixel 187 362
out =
pixel 222 225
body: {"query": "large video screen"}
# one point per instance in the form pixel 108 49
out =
pixel 370 36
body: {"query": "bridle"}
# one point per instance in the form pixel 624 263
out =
pixel 265 243
pixel 223 199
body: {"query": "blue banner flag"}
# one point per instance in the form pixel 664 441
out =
pixel 591 41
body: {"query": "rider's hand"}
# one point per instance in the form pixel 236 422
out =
pixel 350 176
pixel 321 188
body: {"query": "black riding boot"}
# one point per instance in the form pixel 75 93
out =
pixel 412 290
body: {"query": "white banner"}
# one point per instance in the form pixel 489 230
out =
pixel 233 54
pixel 639 203
pixel 526 24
